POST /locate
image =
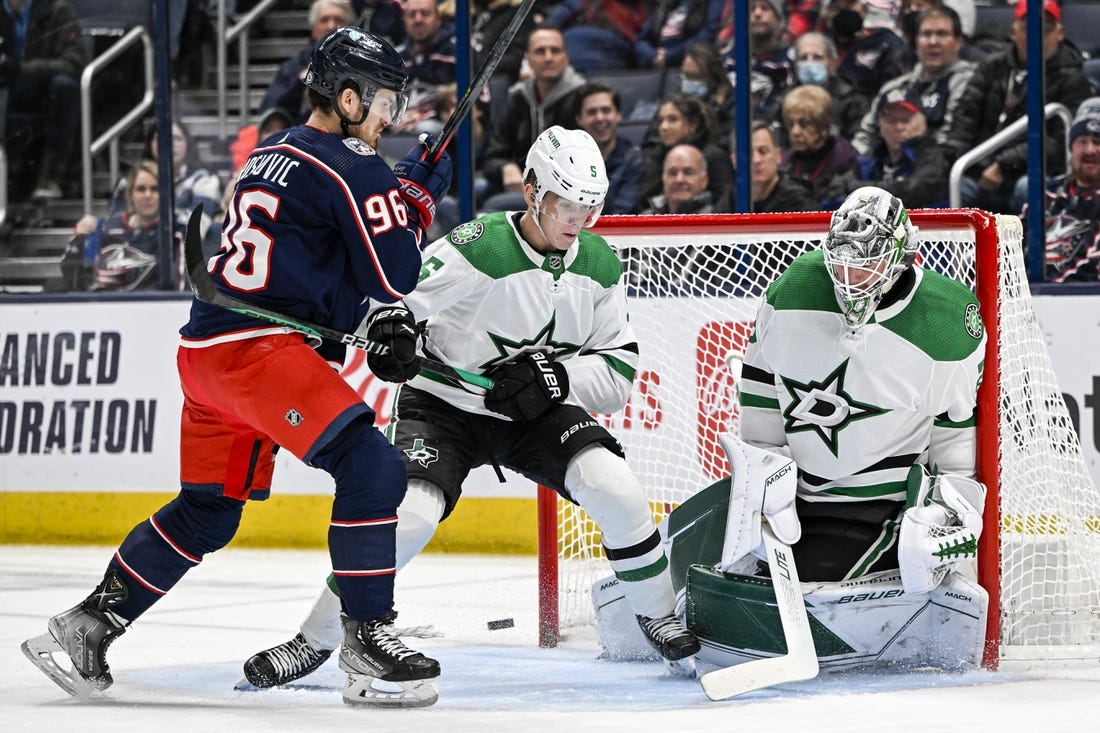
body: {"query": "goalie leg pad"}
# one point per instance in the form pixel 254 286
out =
pixel 869 622
pixel 605 487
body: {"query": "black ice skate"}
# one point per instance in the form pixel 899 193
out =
pixel 284 663
pixel 381 670
pixel 83 634
pixel 669 637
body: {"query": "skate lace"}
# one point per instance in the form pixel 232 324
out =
pixel 664 628
pixel 381 637
pixel 292 657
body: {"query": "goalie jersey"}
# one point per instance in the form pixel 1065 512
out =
pixel 487 296
pixel 859 407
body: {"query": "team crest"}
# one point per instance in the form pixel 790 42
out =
pixel 293 417
pixel 420 453
pixel 356 145
pixel 468 232
pixel 973 320
pixel 824 407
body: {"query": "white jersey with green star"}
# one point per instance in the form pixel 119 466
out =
pixel 487 295
pixel 859 408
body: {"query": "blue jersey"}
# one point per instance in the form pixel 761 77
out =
pixel 316 225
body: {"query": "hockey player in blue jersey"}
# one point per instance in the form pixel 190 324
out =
pixel 318 224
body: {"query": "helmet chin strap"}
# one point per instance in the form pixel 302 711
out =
pixel 345 121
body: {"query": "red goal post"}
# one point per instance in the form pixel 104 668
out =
pixel 693 285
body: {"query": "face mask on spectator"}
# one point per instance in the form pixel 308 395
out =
pixel 847 23
pixel 907 22
pixel 813 72
pixel 694 87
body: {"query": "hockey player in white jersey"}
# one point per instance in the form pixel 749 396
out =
pixel 863 367
pixel 535 302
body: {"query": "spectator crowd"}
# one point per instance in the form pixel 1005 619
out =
pixel 845 93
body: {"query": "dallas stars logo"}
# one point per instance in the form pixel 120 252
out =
pixel 824 407
pixel 422 454
pixel 468 232
pixel 508 348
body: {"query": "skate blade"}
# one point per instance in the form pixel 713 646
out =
pixel 245 686
pixel 680 669
pixel 364 691
pixel 41 650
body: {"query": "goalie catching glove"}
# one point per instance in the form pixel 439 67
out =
pixel 525 388
pixel 940 529
pixel 395 328
pixel 423 182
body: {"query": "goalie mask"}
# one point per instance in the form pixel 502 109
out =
pixel 348 57
pixel 567 163
pixel 870 244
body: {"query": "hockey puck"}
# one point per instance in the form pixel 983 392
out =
pixel 504 623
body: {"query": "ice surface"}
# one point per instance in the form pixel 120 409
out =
pixel 176 667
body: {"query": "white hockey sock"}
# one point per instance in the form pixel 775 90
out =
pixel 417 518
pixel 605 487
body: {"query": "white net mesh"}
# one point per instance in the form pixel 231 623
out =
pixel 694 291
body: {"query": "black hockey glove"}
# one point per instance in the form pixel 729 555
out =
pixel 423 182
pixel 527 387
pixel 394 326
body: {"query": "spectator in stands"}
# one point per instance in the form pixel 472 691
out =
pixel 429 55
pixel 936 82
pixel 599 112
pixel 490 18
pixel 773 189
pixel 119 253
pixel 600 34
pixel 906 161
pixel 1073 205
pixel 43 42
pixel 547 98
pixel 683 184
pixel 193 182
pixel 384 18
pixel 270 122
pixel 703 75
pixel 447 214
pixel 680 119
pixel 771 56
pixel 802 16
pixel 814 153
pixel 815 62
pixel 870 53
pixel 996 96
pixel 286 89
pixel 672 28
pixel 909 22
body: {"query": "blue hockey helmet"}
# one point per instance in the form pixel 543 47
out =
pixel 348 56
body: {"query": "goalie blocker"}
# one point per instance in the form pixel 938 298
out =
pixel 874 620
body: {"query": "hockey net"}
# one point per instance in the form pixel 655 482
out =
pixel 694 286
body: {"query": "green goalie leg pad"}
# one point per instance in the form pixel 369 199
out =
pixel 698 528
pixel 739 613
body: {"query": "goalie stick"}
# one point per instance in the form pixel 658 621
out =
pixel 205 290
pixel 800 661
pixel 496 53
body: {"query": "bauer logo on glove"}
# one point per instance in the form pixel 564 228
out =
pixel 527 387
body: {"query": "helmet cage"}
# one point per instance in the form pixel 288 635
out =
pixel 870 244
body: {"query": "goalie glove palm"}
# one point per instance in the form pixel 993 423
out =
pixel 527 387
pixel 423 182
pixel 394 327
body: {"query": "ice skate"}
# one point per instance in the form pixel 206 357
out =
pixel 284 663
pixel 381 670
pixel 83 634
pixel 669 637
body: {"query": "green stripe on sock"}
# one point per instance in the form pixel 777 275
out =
pixel 649 571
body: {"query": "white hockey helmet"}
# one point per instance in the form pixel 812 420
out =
pixel 569 164
pixel 871 242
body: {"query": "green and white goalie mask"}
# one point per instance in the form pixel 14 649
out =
pixel 870 244
pixel 568 164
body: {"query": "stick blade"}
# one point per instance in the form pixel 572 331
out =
pixel 201 285
pixel 722 684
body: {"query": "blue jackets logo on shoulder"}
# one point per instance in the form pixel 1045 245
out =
pixel 356 145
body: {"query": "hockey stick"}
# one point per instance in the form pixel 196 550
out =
pixel 205 290
pixel 800 661
pixel 496 53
